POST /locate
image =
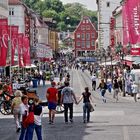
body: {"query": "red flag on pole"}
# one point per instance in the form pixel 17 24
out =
pixel 13 33
pixel 26 51
pixel 20 49
pixel 3 41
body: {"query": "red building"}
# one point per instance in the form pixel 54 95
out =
pixel 85 36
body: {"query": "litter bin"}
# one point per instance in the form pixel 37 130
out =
pixel 34 83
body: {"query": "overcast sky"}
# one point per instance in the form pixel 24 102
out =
pixel 90 4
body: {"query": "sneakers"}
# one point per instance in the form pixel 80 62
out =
pixel 71 120
pixel 84 121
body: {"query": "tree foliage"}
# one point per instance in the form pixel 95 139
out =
pixel 66 16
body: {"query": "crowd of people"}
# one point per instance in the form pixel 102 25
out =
pixel 28 116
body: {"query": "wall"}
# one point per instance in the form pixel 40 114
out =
pixel 3 8
pixel 104 14
pixel 18 17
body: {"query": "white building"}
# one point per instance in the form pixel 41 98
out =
pixel 117 13
pixel 17 15
pixel 105 9
pixel 4 9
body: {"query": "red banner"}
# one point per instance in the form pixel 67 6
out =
pixel 3 41
pixel 135 51
pixel 131 21
pixel 26 51
pixel 27 27
pixel 13 34
pixel 20 49
pixel 112 32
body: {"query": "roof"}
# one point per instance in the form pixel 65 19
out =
pixel 85 17
pixel 14 2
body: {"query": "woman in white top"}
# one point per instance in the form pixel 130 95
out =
pixel 134 88
pixel 37 119
pixel 16 109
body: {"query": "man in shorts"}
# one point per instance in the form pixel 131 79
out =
pixel 52 97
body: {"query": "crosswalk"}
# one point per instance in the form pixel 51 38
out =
pixel 100 113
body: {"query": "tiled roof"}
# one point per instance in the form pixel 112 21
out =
pixel 14 2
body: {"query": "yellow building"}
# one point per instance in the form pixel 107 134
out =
pixel 53 34
pixel 53 39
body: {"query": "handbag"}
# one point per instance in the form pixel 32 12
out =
pixel 91 108
pixel 29 120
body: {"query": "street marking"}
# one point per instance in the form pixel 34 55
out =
pixel 125 133
pixel 76 114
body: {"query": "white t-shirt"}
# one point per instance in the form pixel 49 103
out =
pixel 93 78
pixel 67 93
pixel 24 108
pixel 37 119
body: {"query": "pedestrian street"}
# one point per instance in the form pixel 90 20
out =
pixel 109 121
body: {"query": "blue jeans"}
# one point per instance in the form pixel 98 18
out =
pixel 27 133
pixel 38 129
pixel 23 132
pixel 86 110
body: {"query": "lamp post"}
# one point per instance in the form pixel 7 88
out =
pixel 129 46
pixel 120 51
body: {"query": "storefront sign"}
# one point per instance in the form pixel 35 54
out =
pixel 135 51
pixel 43 51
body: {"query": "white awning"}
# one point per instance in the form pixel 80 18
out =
pixel 137 62
pixel 110 63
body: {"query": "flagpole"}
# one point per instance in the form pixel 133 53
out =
pixel 10 51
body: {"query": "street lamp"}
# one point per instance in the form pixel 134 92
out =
pixel 129 46
pixel 120 51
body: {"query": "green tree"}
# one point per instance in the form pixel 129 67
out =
pixel 51 14
pixel 57 6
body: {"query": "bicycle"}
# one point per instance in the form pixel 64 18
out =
pixel 5 105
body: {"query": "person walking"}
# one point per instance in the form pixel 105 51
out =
pixel 37 118
pixel 67 96
pixel 103 87
pixel 93 79
pixel 86 96
pixel 24 111
pixel 16 109
pixel 116 89
pixel 134 91
pixel 52 97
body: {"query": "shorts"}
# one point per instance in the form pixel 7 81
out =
pixel 51 106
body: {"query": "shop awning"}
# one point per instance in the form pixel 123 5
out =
pixel 88 60
pixel 110 63
pixel 136 62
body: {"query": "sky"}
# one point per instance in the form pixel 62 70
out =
pixel 90 4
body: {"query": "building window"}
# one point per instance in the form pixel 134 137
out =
pixel 88 36
pixel 92 35
pixel 83 21
pixel 83 37
pixel 93 43
pixel 83 44
pixel 108 4
pixel 87 21
pixel 78 43
pixel 87 44
pixel 83 27
pixel 11 11
pixel 78 35
pixel 87 27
